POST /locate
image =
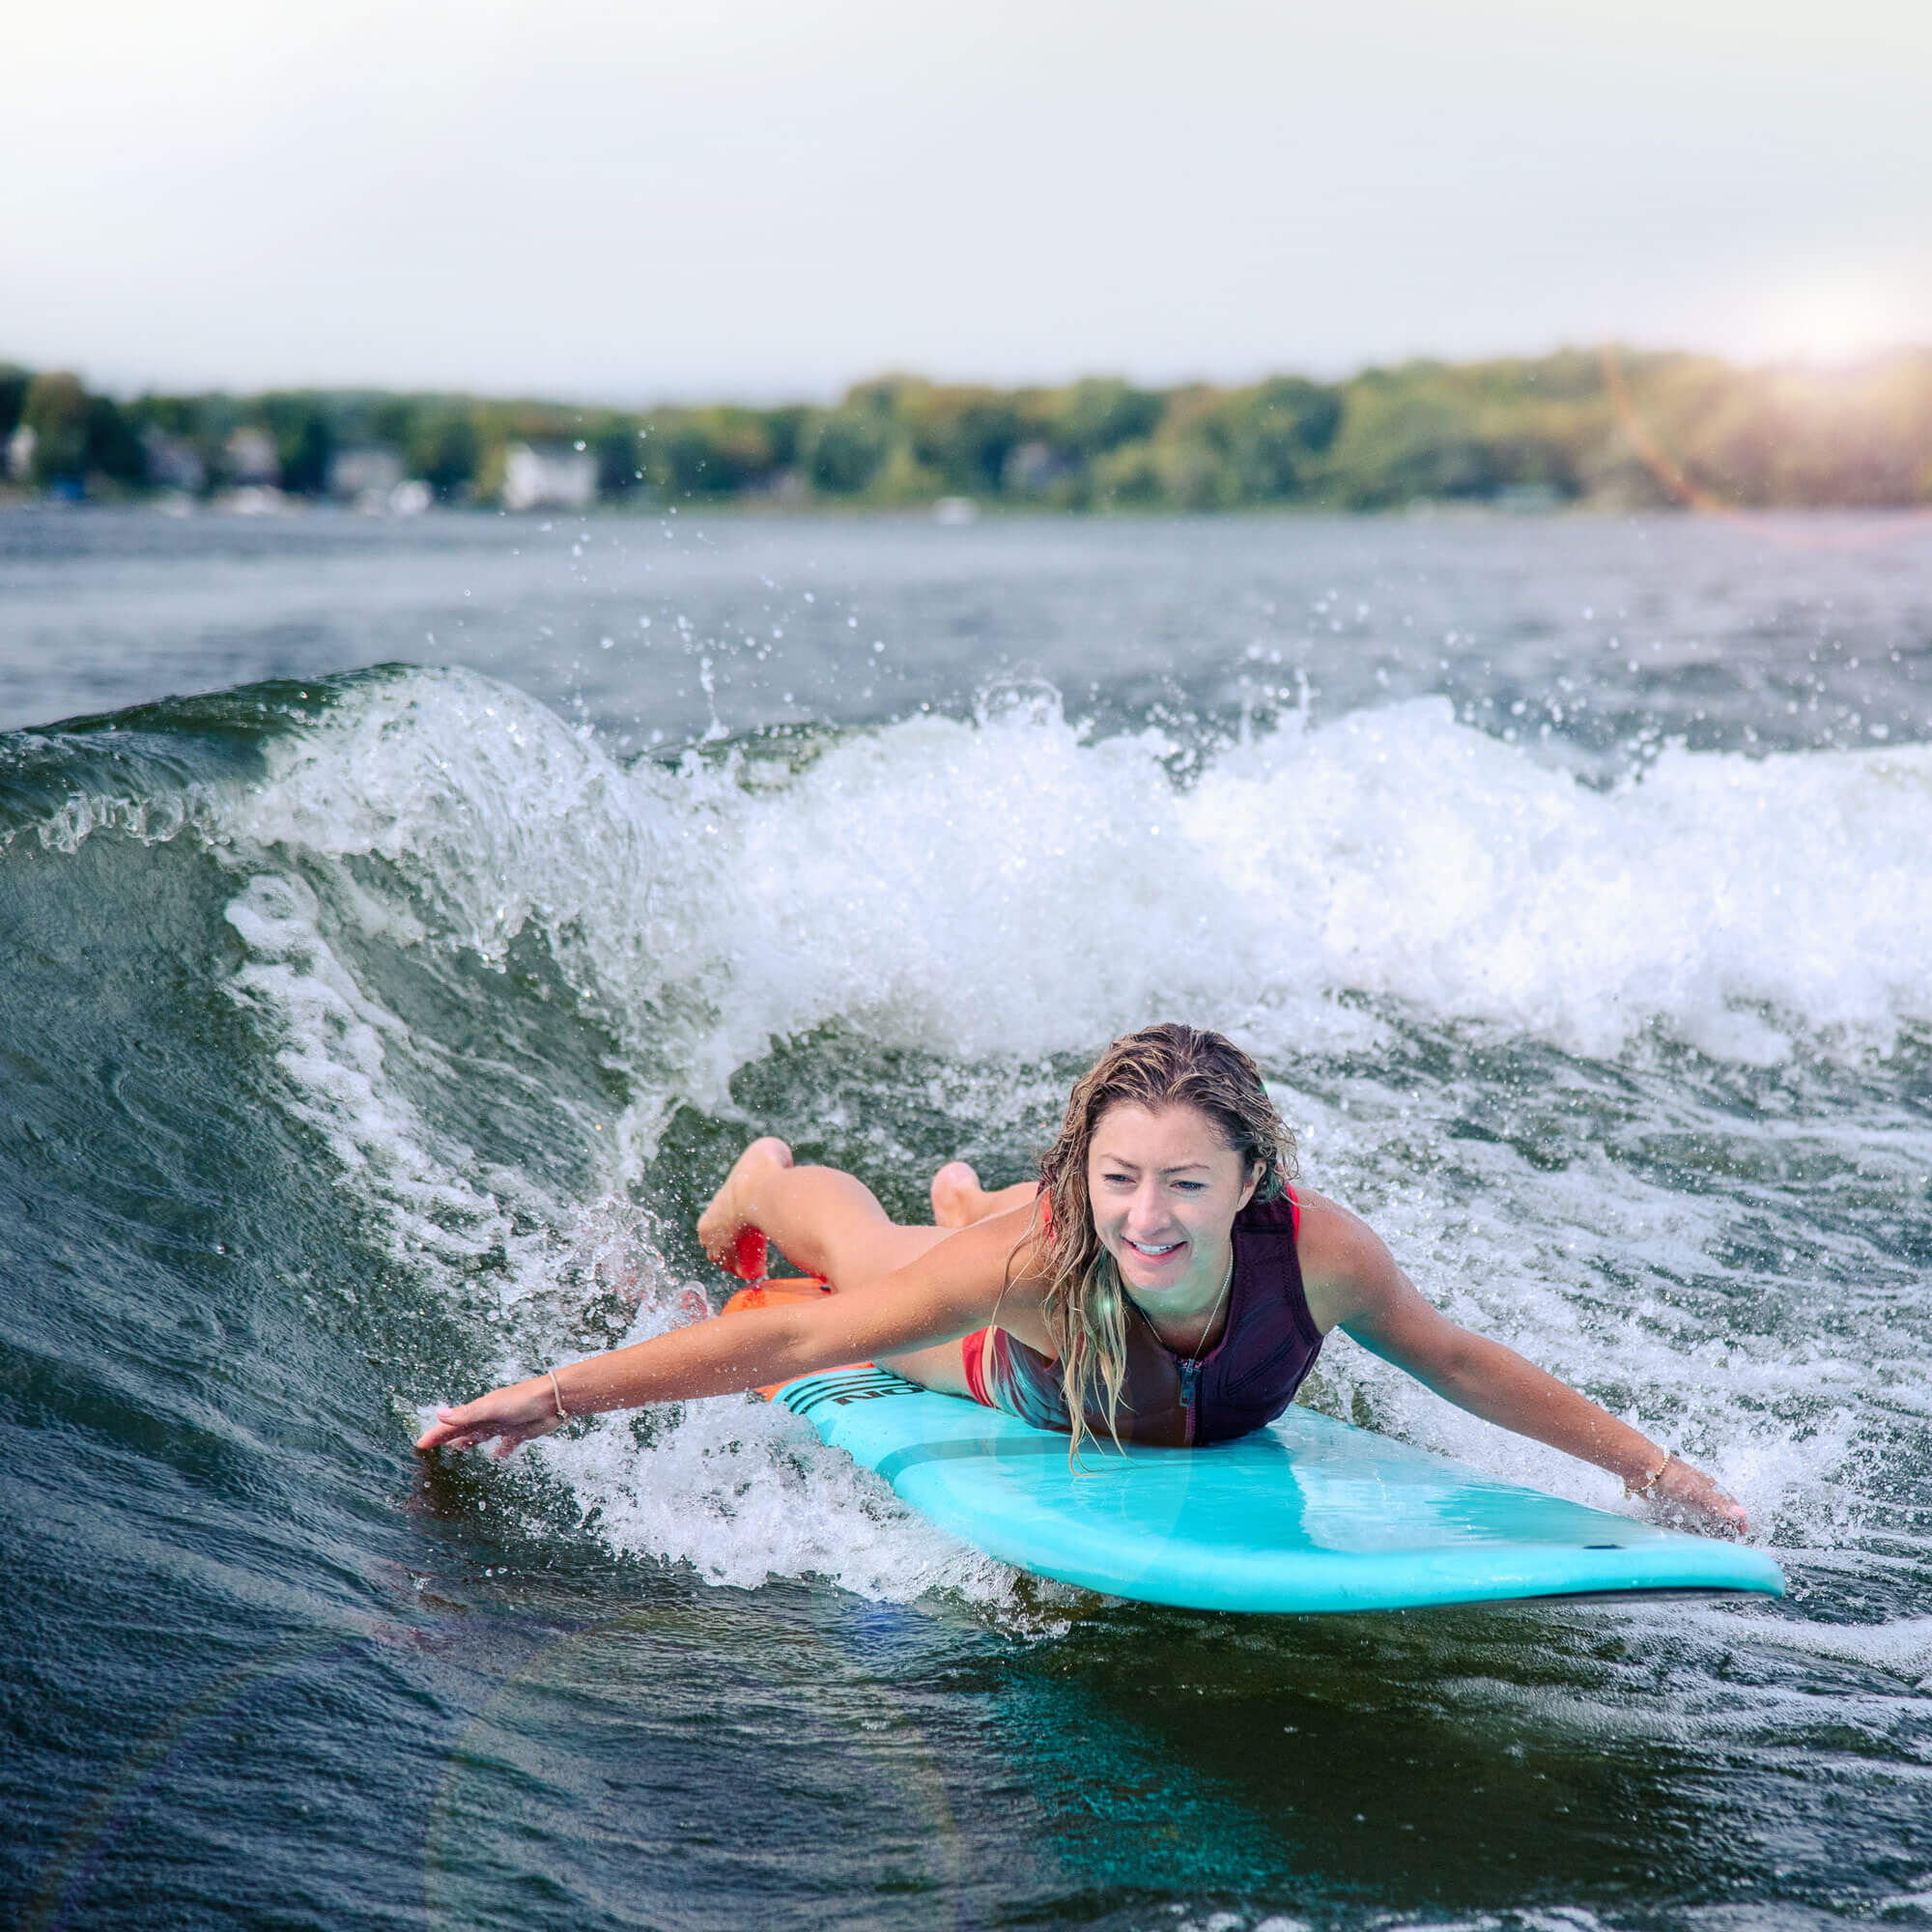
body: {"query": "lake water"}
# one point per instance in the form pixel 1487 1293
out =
pixel 422 915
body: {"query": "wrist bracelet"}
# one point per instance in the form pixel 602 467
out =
pixel 1651 1481
pixel 563 1415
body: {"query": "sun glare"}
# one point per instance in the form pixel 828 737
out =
pixel 1840 319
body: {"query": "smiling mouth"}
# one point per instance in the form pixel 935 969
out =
pixel 1152 1254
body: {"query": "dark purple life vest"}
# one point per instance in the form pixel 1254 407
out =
pixel 1242 1383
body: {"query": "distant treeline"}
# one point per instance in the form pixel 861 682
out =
pixel 1619 429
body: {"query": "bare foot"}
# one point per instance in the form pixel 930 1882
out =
pixel 957 1198
pixel 728 1215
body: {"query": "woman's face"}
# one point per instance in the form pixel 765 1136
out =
pixel 1166 1187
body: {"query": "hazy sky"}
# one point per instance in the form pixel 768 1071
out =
pixel 691 197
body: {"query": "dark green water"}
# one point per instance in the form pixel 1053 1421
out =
pixel 369 1034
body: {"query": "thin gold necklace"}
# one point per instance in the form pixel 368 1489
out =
pixel 1227 1282
pixel 1190 1366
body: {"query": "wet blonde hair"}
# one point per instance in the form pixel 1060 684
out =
pixel 1084 1301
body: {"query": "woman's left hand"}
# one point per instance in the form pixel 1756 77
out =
pixel 1690 1496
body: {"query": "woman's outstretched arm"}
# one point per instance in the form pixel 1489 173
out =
pixel 947 1291
pixel 1354 1284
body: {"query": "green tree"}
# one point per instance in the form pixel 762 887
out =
pixel 963 435
pixel 846 450
pixel 445 451
pixel 1405 437
pixel 1101 412
pixel 620 462
pixel 55 409
pixel 305 440
pixel 1273 435
pixel 14 381
pixel 1129 476
pixel 393 421
pixel 785 430
pixel 113 444
pixel 1195 472
pixel 707 452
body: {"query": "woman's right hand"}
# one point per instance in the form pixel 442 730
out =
pixel 518 1413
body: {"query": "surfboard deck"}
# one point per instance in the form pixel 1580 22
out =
pixel 1308 1515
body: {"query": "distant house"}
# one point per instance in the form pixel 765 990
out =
pixel 173 462
pixel 1032 468
pixel 366 473
pixel 548 476
pixel 252 456
pixel 19 454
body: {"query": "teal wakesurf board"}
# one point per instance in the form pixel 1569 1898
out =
pixel 1309 1513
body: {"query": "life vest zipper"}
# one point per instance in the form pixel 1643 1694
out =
pixel 1190 1382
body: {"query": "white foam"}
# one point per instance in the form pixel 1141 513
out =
pixel 742 1490
pixel 1000 891
pixel 1900 1648
pixel 1427 862
pixel 1010 887
pixel 331 1043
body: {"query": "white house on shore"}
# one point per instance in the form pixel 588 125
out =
pixel 364 469
pixel 253 460
pixel 173 462
pixel 548 476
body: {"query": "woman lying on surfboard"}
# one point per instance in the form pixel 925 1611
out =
pixel 1165 1282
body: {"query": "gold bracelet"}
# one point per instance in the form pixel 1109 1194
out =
pixel 1651 1481
pixel 563 1415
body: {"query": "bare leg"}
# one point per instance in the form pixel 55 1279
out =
pixel 825 1219
pixel 958 1200
pixel 831 1223
pixel 940 1367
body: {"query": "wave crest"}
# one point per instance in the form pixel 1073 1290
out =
pixel 1011 887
